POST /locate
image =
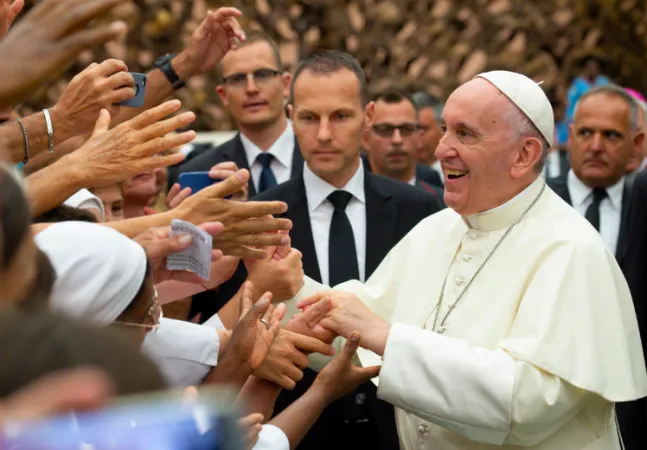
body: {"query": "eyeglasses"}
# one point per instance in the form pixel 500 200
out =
pixel 386 130
pixel 155 313
pixel 260 77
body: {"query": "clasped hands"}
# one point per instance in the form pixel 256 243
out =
pixel 346 314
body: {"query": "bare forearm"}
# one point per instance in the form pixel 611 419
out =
pixel 258 396
pixel 300 416
pixel 137 225
pixel 12 138
pixel 229 371
pixel 45 159
pixel 229 314
pixel 51 186
pixel 170 291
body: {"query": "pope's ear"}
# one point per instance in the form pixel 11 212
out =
pixel 527 157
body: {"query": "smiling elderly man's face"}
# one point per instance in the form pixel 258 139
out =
pixel 478 151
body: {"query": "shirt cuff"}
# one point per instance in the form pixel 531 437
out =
pixel 272 438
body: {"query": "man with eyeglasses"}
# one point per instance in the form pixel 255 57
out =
pixel 391 139
pixel 253 88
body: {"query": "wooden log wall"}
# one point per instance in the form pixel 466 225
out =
pixel 433 45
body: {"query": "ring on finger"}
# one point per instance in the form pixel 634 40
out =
pixel 267 325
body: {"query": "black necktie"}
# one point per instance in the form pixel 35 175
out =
pixel 342 255
pixel 267 179
pixel 593 211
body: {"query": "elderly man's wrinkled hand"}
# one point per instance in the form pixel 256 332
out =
pixel 99 86
pixel 133 147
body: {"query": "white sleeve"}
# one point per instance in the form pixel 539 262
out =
pixel 484 395
pixel 272 438
pixel 184 352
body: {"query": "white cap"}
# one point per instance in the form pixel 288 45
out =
pixel 85 199
pixel 529 98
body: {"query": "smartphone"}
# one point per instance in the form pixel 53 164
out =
pixel 165 421
pixel 140 91
pixel 196 181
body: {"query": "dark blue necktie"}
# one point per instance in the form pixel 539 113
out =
pixel 267 180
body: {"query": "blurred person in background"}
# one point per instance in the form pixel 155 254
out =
pixel 591 74
pixel 431 110
pixel 391 139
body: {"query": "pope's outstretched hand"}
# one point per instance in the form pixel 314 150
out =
pixel 349 314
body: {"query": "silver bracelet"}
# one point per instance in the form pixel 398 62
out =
pixel 50 129
pixel 24 134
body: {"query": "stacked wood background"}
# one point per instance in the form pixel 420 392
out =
pixel 433 45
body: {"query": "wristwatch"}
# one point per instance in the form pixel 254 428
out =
pixel 163 63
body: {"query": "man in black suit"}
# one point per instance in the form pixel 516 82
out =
pixel 345 220
pixel 253 88
pixel 391 141
pixel 603 138
pixel 633 416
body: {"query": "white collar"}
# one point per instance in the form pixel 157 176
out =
pixel 413 181
pixel 580 193
pixel 504 215
pixel 318 190
pixel 282 148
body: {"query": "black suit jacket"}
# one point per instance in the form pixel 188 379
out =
pixel 426 179
pixel 632 416
pixel 428 175
pixel 232 150
pixel 392 210
pixel 560 186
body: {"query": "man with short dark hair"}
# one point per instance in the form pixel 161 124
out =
pixel 391 140
pixel 253 88
pixel 345 221
pixel 603 139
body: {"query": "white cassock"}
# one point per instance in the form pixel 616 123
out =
pixel 535 354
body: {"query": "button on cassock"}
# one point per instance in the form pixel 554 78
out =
pixel 459 282
pixel 423 430
pixel 467 258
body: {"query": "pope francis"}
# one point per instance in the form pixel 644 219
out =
pixel 501 322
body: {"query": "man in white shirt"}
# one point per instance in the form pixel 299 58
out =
pixel 253 88
pixel 603 139
pixel 502 320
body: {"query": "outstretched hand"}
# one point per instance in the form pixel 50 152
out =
pixel 349 314
pixel 258 326
pixel 341 376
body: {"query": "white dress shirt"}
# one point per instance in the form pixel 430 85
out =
pixel 610 208
pixel 553 164
pixel 413 181
pixel 184 352
pixel 282 149
pixel 321 210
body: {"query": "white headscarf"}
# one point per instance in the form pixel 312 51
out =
pixel 98 270
pixel 85 199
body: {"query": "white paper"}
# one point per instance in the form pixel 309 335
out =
pixel 197 257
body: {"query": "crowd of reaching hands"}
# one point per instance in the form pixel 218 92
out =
pixel 97 144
